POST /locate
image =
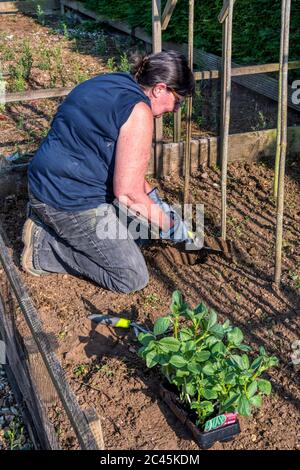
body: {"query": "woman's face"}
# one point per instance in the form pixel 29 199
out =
pixel 164 100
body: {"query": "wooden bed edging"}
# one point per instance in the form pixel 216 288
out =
pixel 23 359
pixel 248 146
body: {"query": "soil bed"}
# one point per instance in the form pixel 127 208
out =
pixel 102 365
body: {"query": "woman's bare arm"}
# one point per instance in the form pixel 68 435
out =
pixel 132 157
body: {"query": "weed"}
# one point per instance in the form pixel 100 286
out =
pixel 7 53
pixel 40 14
pixel 295 277
pixel 21 123
pixel 151 299
pixel 57 55
pixel 18 81
pixel 65 30
pixel 105 370
pixel 62 335
pixel 80 369
pixel 26 60
pixel 111 64
pixel 78 75
pixel 124 63
pixel 45 59
pixel 15 435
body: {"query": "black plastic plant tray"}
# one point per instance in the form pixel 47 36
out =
pixel 205 440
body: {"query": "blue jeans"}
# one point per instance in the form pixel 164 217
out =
pixel 69 242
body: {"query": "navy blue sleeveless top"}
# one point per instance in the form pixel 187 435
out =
pixel 73 168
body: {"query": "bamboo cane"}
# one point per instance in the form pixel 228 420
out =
pixel 286 13
pixel 177 126
pixel 187 155
pixel 226 99
pixel 157 47
pixel 278 137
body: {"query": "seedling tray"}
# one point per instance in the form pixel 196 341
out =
pixel 205 440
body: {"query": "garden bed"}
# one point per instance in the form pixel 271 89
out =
pixel 102 365
pixel 78 52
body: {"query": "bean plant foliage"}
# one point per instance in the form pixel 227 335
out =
pixel 207 361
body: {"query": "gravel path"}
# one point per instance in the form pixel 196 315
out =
pixel 13 435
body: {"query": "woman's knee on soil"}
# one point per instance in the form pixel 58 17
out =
pixel 132 279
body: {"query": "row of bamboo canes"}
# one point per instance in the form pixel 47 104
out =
pixel 226 18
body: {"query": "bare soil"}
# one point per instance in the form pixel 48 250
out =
pixel 102 365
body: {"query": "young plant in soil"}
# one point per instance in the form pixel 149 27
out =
pixel 206 361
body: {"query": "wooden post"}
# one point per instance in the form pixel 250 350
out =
pixel 187 155
pixel 225 115
pixel 156 47
pixel 286 13
pixel 167 13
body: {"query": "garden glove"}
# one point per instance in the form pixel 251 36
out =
pixel 179 231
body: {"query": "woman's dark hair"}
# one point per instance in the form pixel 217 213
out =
pixel 168 67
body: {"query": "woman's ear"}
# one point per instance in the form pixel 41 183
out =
pixel 158 89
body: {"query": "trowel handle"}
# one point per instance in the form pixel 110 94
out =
pixel 108 320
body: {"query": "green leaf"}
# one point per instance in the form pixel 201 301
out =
pixel 171 344
pixel 230 401
pixel 264 386
pixel 218 348
pixel 235 336
pixel 203 405
pixel 256 401
pixel 230 379
pixel 244 406
pixel 182 373
pixel 237 361
pixel 190 314
pixel 200 309
pixel 194 368
pixel 252 389
pixel 244 347
pixel 202 356
pixel 209 394
pixel 190 389
pixel 212 319
pixel 163 359
pixel 188 347
pixel 152 359
pixel 161 325
pixel 245 361
pixel 218 331
pixel 257 363
pixel 262 351
pixel 210 341
pixel 208 369
pixel 145 338
pixel 178 361
pixel 186 334
pixel 177 298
